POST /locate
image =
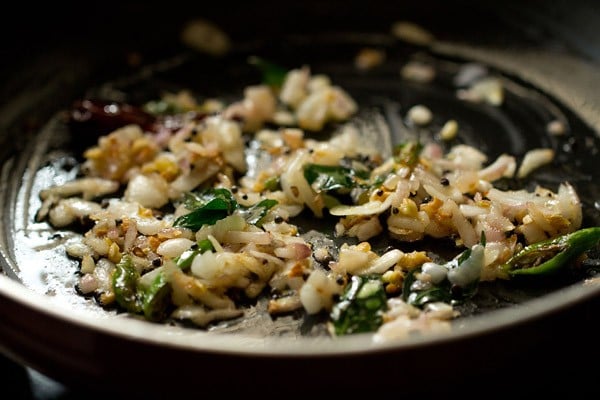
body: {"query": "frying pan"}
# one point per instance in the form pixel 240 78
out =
pixel 132 52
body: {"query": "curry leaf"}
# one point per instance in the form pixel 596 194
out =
pixel 421 294
pixel 208 214
pixel 419 298
pixel 194 200
pixel 207 208
pixel 212 205
pixel 254 214
pixel 328 177
pixel 272 74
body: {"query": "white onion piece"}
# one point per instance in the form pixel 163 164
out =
pixel 87 187
pixel 352 261
pixel 205 265
pixel 294 88
pixel 103 274
pixel 78 250
pixel 462 225
pixel 466 157
pixel 247 237
pixel 202 317
pixel 570 205
pixel 383 263
pixel 87 284
pixel 439 310
pixel 295 186
pixel 284 304
pixel 69 210
pixel 470 211
pixel 98 245
pixel 503 167
pixel 317 293
pixel 369 208
pixel 420 115
pixel 294 251
pixel 174 247
pixel 533 160
pixel 150 191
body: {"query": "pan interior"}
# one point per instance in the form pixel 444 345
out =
pixel 34 252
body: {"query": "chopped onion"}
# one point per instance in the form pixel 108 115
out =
pixel 533 160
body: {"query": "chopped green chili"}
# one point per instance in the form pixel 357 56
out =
pixel 361 306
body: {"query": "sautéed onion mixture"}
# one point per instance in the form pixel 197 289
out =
pixel 196 215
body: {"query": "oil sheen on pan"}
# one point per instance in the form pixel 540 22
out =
pixel 313 193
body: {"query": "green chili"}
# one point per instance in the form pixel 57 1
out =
pixel 156 298
pixel 124 283
pixel 551 255
pixel 361 307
